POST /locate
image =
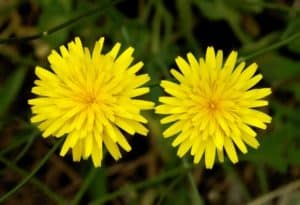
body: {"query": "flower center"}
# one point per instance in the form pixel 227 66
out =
pixel 212 105
pixel 88 99
pixel 91 99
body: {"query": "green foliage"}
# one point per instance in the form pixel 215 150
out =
pixel 280 148
pixel 54 13
pixel 280 145
pixel 159 31
pixel 278 69
pixel 10 88
pixel 100 182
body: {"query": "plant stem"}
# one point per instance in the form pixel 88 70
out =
pixel 270 5
pixel 12 146
pixel 52 195
pixel 169 188
pixel 91 175
pixel 64 25
pixel 32 173
pixel 147 183
pixel 197 199
pixel 27 146
pixel 281 191
pixel 262 178
pixel 231 172
pixel 271 47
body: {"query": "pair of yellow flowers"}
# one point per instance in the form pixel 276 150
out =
pixel 91 98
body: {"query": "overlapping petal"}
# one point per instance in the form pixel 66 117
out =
pixel 212 107
pixel 91 98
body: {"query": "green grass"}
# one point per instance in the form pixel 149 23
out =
pixel 266 32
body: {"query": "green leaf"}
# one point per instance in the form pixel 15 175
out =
pixel 277 68
pixel 223 10
pixel 211 9
pixel 10 89
pixel 293 27
pixel 293 87
pixel 182 195
pixel 278 148
pixel 295 46
pixel 98 187
pixel 54 13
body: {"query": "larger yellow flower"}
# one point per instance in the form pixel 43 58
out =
pixel 212 106
pixel 89 97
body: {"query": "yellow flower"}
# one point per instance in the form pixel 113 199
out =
pixel 89 97
pixel 212 108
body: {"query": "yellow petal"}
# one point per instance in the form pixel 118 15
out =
pixel 123 124
pixel 210 57
pixel 122 140
pixel 88 146
pixel 181 137
pixel 210 154
pixel 97 155
pixel 98 48
pixel 114 51
pixel 218 139
pixel 135 68
pixel 183 66
pixel 77 151
pixel 184 147
pixel 230 62
pixel 112 147
pixel 70 142
pixel 258 93
pixel 230 150
pixel 236 138
pixel 248 72
pixel 177 75
pixel 174 129
pixel 250 140
pixel 200 151
pixel 220 155
pixel 219 59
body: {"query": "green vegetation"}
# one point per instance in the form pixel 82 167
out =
pixel 266 32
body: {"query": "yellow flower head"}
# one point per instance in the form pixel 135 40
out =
pixel 89 98
pixel 212 108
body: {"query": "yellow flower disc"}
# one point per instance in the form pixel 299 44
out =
pixel 89 97
pixel 212 107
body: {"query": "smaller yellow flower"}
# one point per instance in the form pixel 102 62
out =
pixel 212 107
pixel 90 98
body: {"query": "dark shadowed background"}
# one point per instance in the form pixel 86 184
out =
pixel 265 32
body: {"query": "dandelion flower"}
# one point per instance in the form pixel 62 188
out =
pixel 90 99
pixel 212 107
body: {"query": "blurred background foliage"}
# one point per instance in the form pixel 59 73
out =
pixel 266 32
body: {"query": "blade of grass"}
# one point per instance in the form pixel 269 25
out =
pixel 169 188
pixel 271 5
pixel 83 188
pixel 141 185
pixel 12 146
pixel 281 191
pixel 262 178
pixel 10 89
pixel 52 195
pixel 32 136
pixel 98 10
pixel 32 173
pixel 271 47
pixel 196 197
pixel 231 172
pixel 16 58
